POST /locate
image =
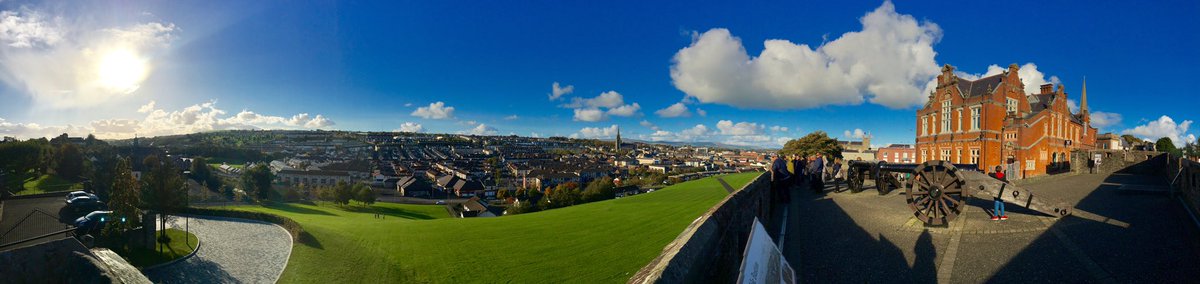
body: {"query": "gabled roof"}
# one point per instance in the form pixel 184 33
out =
pixel 981 87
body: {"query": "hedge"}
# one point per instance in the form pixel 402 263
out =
pixel 293 228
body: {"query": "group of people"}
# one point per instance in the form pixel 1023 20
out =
pixel 808 172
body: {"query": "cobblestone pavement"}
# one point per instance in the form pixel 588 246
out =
pixel 231 251
pixel 1114 236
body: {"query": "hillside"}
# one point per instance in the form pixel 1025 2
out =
pixel 597 242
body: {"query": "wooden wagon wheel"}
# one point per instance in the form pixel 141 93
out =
pixel 936 194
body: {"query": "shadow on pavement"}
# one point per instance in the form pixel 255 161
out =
pixel 1152 239
pixel 827 245
pixel 193 270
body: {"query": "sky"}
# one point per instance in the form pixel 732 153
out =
pixel 754 73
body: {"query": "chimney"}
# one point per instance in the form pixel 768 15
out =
pixel 1047 88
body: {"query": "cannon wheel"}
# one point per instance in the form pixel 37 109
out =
pixel 855 180
pixel 936 195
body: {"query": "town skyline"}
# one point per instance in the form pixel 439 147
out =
pixel 754 76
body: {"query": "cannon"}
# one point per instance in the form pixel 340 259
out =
pixel 937 190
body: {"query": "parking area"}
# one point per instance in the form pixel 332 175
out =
pixel 1115 235
pixel 26 217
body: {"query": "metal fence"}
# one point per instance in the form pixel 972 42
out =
pixel 34 226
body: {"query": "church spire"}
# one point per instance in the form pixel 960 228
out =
pixel 618 146
pixel 1083 109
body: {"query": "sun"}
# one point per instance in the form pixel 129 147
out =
pixel 121 71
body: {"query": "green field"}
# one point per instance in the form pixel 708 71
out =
pixel 48 183
pixel 182 244
pixel 604 241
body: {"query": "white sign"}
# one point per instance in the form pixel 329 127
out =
pixel 762 262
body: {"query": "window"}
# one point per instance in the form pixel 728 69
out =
pixel 957 155
pixel 975 118
pixel 924 125
pixel 1011 105
pixel 1043 155
pixel 924 153
pixel 945 116
pixel 945 155
pixel 975 156
pixel 958 121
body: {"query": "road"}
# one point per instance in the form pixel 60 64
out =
pixel 231 251
pixel 1114 236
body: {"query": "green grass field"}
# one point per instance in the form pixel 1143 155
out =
pixel 48 183
pixel 182 244
pixel 603 242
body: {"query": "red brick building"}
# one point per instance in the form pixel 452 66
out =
pixel 897 154
pixel 991 121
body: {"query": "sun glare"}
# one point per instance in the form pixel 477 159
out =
pixel 122 71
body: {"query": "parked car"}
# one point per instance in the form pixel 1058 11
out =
pixel 91 221
pixel 79 193
pixel 85 204
pixel 441 202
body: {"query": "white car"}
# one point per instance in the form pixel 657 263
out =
pixel 79 193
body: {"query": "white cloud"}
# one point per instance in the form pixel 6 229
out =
pixel 1164 127
pixel 648 124
pixel 589 114
pixel 597 132
pixel 1072 105
pixel 146 108
pixel 888 62
pixel 157 122
pixel 701 112
pixel 675 110
pixel 437 110
pixel 26 28
pixel 557 92
pixel 408 104
pixel 625 110
pixel 469 122
pixel 483 129
pixel 511 117
pixel 727 127
pixel 69 64
pixel 1105 119
pixel 857 133
pixel 609 99
pixel 778 128
pixel 410 127
pixel 1029 74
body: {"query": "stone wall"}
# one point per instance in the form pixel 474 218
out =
pixel 61 261
pixel 1184 176
pixel 1142 162
pixel 710 249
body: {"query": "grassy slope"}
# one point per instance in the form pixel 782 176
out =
pixel 597 242
pixel 48 183
pixel 178 247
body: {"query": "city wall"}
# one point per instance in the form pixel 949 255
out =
pixel 710 249
pixel 1182 175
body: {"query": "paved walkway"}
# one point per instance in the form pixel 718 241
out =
pixel 1114 236
pixel 231 251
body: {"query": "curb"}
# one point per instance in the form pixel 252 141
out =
pixel 161 265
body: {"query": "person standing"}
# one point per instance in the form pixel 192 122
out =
pixel 780 178
pixel 799 172
pixel 998 206
pixel 839 175
pixel 817 169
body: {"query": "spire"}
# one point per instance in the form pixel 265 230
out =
pixel 618 146
pixel 1083 109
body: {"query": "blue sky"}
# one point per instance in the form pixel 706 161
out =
pixel 371 66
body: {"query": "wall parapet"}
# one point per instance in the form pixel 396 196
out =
pixel 710 248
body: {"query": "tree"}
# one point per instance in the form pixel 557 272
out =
pixel 343 193
pixel 69 162
pixel 1165 145
pixel 202 173
pixel 291 195
pixel 164 190
pixel 365 194
pixel 815 143
pixel 598 190
pixel 325 193
pixel 257 180
pixel 123 201
pixel 502 193
pixel 227 191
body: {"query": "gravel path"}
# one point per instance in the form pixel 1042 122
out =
pixel 231 251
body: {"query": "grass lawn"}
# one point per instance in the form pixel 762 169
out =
pixel 178 247
pixel 218 165
pixel 597 242
pixel 48 183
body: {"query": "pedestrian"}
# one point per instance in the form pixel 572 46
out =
pixel 816 169
pixel 998 206
pixel 839 175
pixel 798 171
pixel 780 178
